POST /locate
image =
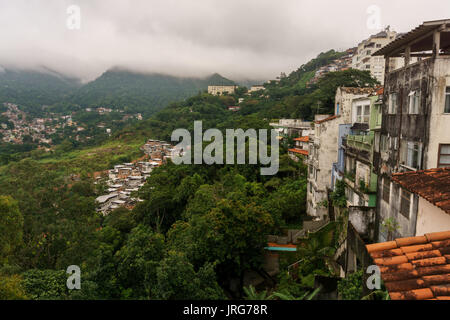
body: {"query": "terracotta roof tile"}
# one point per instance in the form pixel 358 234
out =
pixel 326 119
pixel 436 279
pixel 429 262
pixel 411 241
pixel 441 290
pixel 432 185
pixel 299 151
pixel 415 268
pixel 381 246
pixel 438 236
pixel 423 255
pixel 302 139
pixel 391 260
pixel 417 248
pixel 419 294
pixel 387 253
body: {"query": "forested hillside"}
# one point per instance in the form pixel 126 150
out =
pixel 33 89
pixel 139 92
pixel 207 224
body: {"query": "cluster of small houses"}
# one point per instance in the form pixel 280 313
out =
pixel 40 129
pixel 36 128
pixel 124 180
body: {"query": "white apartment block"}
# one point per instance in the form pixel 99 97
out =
pixel 363 59
pixel 219 90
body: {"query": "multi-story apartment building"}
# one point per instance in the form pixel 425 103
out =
pixel 365 61
pixel 360 180
pixel 219 90
pixel 343 107
pixel 325 151
pixel 415 130
pixel 322 154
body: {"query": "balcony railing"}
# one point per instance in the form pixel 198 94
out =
pixel 362 142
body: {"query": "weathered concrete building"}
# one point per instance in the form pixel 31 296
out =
pixel 322 155
pixel 415 130
pixel 424 201
pixel 343 107
pixel 325 145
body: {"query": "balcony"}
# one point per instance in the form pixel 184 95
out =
pixel 360 142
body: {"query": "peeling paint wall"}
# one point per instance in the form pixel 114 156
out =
pixel 439 122
pixel 363 219
pixel 406 224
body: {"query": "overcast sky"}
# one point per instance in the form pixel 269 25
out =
pixel 237 38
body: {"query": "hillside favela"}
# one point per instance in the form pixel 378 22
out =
pixel 247 153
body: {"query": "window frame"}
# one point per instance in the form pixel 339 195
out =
pixel 416 147
pixel 405 196
pixel 414 102
pixel 439 164
pixel 393 108
pixel 386 192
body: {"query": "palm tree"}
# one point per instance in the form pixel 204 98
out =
pixel 306 296
pixel 251 294
pixel 316 252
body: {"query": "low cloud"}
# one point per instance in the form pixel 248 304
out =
pixel 238 39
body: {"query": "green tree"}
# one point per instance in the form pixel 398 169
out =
pixel 177 279
pixel 137 261
pixel 11 227
pixel 11 288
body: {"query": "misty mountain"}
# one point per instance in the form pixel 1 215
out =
pixel 32 89
pixel 138 92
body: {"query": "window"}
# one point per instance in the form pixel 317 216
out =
pixel 367 66
pixel 444 156
pixel 447 100
pixel 393 103
pixel 405 203
pixel 362 114
pixel 384 143
pixel 366 114
pixel 337 108
pixel 413 154
pixel 379 45
pixel 386 189
pixel 379 115
pixel 414 102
